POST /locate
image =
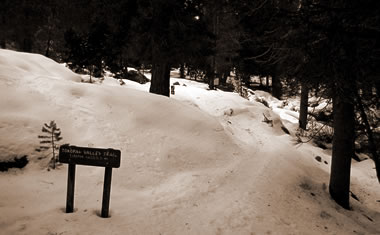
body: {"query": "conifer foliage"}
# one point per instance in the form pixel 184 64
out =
pixel 52 135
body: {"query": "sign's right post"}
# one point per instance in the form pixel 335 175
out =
pixel 106 192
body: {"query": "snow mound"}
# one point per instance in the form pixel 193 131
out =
pixel 164 130
pixel 26 64
pixel 24 84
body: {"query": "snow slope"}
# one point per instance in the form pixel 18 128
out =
pixel 201 162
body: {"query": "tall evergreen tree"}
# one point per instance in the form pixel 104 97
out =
pixel 166 24
pixel 261 42
pixel 325 42
pixel 21 20
pixel 341 46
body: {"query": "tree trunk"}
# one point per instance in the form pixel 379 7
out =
pixel 343 150
pixel 27 44
pixel 304 105
pixel 48 44
pixel 276 87
pixel 212 72
pixel 98 68
pixel 224 77
pixel 3 30
pixel 371 140
pixel 2 43
pixel 52 143
pixel 226 74
pixel 182 71
pixel 211 77
pixel 91 72
pixel 246 79
pixel 160 82
pixel 48 48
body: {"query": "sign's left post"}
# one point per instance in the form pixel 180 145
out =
pixel 70 189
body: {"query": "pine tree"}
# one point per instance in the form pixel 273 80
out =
pixel 170 32
pixel 50 139
pixel 339 40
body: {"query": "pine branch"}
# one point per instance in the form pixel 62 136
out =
pixel 44 137
pixel 48 126
pixel 45 141
pixel 46 130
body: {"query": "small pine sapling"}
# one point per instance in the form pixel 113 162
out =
pixel 49 140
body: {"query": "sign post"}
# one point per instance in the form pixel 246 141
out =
pixel 70 189
pixel 108 158
pixel 106 192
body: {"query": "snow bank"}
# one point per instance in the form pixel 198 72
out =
pixel 24 84
pixel 36 65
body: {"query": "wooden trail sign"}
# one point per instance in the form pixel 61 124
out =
pixel 89 156
pixel 108 158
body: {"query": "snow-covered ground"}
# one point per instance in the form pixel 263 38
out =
pixel 200 162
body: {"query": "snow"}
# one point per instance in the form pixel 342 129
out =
pixel 200 162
